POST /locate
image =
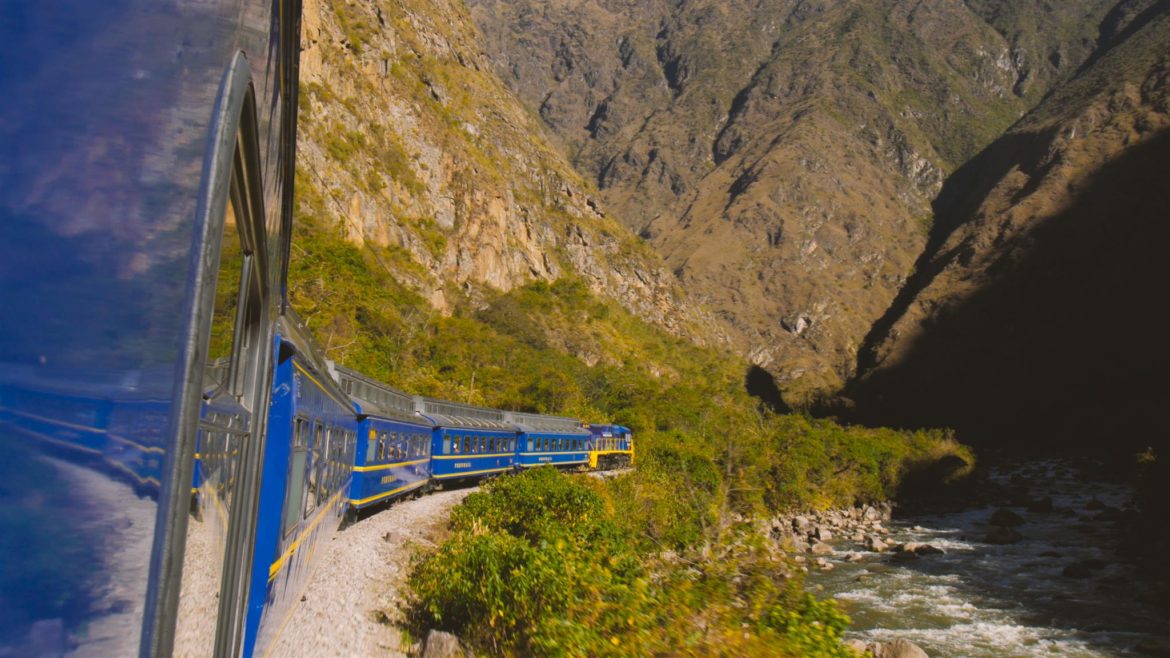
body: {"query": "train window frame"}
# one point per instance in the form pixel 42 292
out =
pixel 232 174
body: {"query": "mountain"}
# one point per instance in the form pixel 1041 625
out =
pixel 411 148
pixel 1033 315
pixel 782 155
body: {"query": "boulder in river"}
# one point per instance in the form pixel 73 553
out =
pixel 820 548
pixel 874 543
pixel 1005 518
pixel 921 549
pixel 1002 536
pixel 898 648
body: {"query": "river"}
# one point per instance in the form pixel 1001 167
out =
pixel 983 600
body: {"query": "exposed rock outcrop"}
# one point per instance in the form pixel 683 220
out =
pixel 782 155
pixel 411 145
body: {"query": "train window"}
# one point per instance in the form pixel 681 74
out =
pixel 452 443
pixel 227 298
pixel 296 476
pixel 312 468
pixel 372 447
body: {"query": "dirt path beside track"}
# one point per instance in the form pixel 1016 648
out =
pixel 359 580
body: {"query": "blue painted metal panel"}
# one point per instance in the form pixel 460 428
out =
pixel 465 453
pixel 393 459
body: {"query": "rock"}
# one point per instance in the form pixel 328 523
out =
pixel 870 513
pixel 1002 536
pixel 857 645
pixel 905 556
pixel 820 548
pixel 875 544
pixel 1095 505
pixel 801 524
pixel 823 564
pixel 922 549
pixel 1005 518
pixel 822 533
pixel 443 645
pixel 896 649
pixel 855 557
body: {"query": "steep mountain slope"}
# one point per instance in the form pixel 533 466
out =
pixel 1036 311
pixel 782 154
pixel 410 146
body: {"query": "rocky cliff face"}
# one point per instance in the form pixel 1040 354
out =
pixel 410 144
pixel 782 155
pixel 1036 310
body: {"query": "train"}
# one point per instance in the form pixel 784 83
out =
pixel 175 446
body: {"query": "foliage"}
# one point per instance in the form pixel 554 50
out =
pixel 544 564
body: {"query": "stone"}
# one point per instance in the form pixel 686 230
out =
pixel 857 645
pixel 905 556
pixel 922 549
pixel 820 548
pixel 801 524
pixel 1005 518
pixel 855 557
pixel 875 544
pixel 822 533
pixel 443 645
pixel 1002 536
pixel 898 648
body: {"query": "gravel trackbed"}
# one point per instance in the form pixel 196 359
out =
pixel 352 600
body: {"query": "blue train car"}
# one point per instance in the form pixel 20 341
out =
pixel 146 171
pixel 553 440
pixel 394 450
pixel 308 466
pixel 468 442
pixel 610 446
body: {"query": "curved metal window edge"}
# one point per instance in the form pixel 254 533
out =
pixel 233 153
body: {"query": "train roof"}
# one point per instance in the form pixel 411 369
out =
pixel 373 397
pixel 455 414
pixel 539 423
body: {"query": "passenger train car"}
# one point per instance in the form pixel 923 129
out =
pixel 394 449
pixel 150 366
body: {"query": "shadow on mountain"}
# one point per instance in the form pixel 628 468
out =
pixel 1065 346
pixel 761 385
pixel 957 202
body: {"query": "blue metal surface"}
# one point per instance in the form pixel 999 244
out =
pixel 103 136
pixel 462 453
pixel 560 449
pixel 304 396
pixel 393 459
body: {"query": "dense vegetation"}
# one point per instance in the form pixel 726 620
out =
pixel 591 568
pixel 550 565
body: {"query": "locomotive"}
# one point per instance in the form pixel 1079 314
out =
pixel 174 443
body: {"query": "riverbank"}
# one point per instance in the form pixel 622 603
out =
pixel 1042 564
